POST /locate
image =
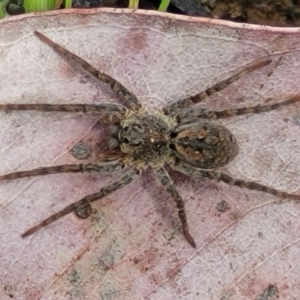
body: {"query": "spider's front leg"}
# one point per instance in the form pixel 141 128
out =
pixel 131 100
pixel 132 173
pixel 220 176
pixel 164 178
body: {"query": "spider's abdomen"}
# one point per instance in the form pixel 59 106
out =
pixel 204 144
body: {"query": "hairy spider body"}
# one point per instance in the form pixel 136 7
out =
pixel 158 139
pixel 188 139
pixel 204 144
pixel 145 137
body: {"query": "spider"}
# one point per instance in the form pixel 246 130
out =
pixel 188 139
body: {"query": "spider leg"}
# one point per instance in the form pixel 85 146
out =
pixel 220 176
pixel 192 114
pixel 177 106
pixel 130 99
pixel 102 167
pixel 170 188
pixel 132 173
pixel 108 112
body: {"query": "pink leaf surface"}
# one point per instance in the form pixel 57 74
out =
pixel 132 247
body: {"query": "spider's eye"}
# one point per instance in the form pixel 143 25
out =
pixel 172 146
pixel 126 128
pixel 137 125
pixel 134 143
pixel 173 134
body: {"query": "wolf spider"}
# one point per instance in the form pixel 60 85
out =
pixel 188 139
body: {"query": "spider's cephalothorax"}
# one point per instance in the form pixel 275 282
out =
pixel 142 136
pixel 188 139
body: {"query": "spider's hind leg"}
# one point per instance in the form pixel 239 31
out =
pixel 132 173
pixel 220 176
pixel 83 211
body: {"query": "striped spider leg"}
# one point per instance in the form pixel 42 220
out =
pixel 109 113
pixel 188 139
pixel 202 146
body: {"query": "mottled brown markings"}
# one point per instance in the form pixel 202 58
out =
pixel 207 145
pixel 188 139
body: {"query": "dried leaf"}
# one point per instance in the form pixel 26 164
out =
pixel 132 246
